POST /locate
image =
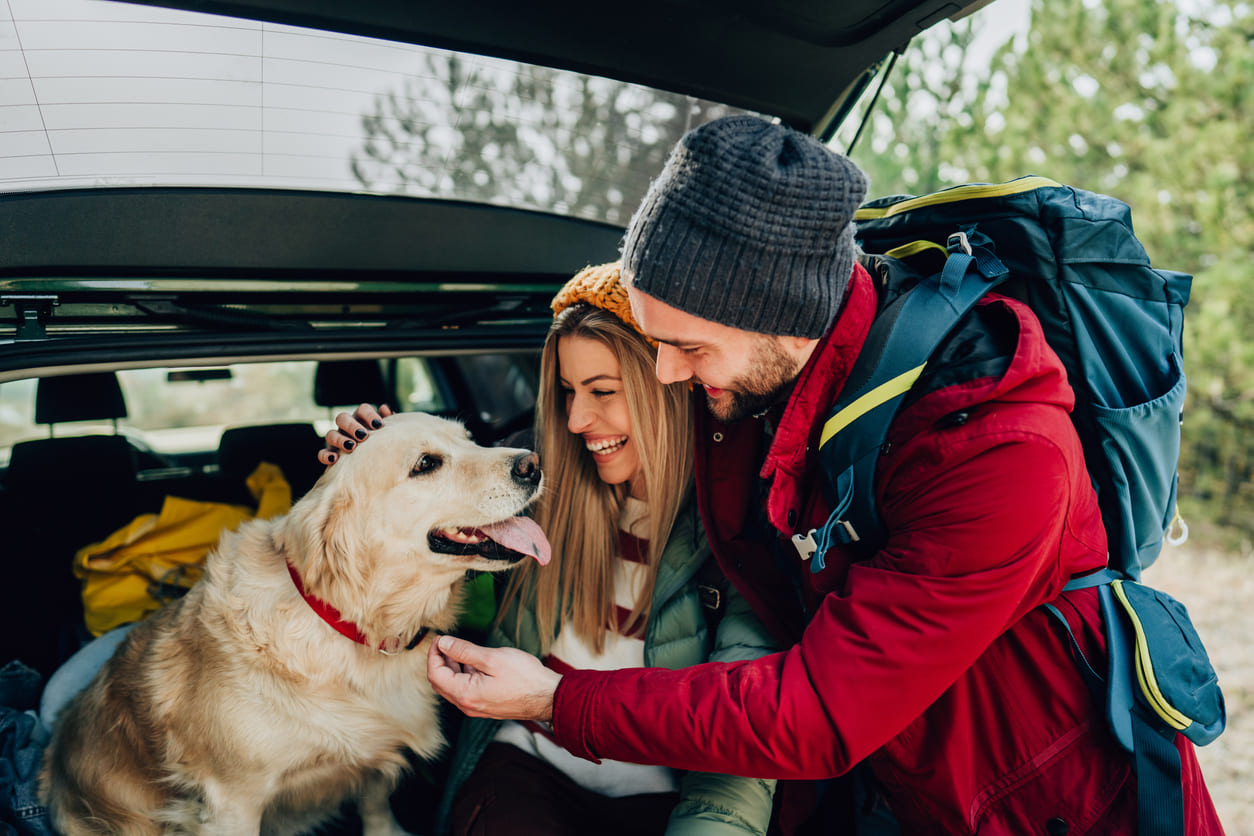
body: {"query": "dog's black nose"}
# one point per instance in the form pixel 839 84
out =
pixel 527 469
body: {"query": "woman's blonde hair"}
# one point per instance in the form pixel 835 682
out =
pixel 579 512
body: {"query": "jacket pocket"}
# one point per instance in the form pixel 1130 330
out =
pixel 1065 789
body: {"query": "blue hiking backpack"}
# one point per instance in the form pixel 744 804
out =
pixel 1116 323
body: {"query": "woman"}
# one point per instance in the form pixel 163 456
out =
pixel 622 589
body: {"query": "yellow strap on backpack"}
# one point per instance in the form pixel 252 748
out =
pixel 1145 667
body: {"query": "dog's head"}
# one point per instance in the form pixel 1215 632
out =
pixel 414 506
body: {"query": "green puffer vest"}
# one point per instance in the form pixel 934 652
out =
pixel 677 636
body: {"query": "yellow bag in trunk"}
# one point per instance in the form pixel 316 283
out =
pixel 157 557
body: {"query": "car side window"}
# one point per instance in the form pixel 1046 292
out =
pixel 416 386
pixel 504 386
pixel 17 415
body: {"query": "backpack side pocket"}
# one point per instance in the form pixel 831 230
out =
pixel 1171 673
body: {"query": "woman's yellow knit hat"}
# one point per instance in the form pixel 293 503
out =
pixel 601 287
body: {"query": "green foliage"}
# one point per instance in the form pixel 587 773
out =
pixel 1147 100
pixel 904 149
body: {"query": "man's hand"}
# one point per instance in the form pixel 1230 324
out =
pixel 351 430
pixel 502 682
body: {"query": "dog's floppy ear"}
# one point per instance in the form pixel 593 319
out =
pixel 325 531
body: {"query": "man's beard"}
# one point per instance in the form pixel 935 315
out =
pixel 771 375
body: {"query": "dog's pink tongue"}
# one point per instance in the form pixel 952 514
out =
pixel 521 534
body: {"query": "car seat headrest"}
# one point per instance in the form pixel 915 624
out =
pixel 349 382
pixel 74 464
pixel 92 396
pixel 292 447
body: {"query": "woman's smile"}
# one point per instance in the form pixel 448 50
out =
pixel 602 446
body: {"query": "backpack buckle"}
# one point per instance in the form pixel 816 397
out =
pixel 805 544
pixel 815 543
pixel 958 240
pixel 851 533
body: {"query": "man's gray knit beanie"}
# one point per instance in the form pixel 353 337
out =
pixel 750 224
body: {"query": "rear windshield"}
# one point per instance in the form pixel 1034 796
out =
pixel 98 94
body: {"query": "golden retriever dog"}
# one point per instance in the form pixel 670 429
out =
pixel 292 677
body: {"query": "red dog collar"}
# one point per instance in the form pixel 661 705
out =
pixel 332 616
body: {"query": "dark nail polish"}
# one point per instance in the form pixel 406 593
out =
pixel 350 444
pixel 360 434
pixel 331 458
pixel 376 423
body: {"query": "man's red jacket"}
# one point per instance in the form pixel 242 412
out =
pixel 932 659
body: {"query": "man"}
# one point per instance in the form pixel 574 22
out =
pixel 931 659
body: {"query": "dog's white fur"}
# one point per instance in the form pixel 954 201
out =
pixel 237 709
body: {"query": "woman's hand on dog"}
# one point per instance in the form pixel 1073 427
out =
pixel 351 430
pixel 499 682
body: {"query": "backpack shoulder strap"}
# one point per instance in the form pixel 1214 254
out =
pixel 890 362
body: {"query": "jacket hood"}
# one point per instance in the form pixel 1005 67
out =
pixel 1034 373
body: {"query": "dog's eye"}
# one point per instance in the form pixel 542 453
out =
pixel 427 462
